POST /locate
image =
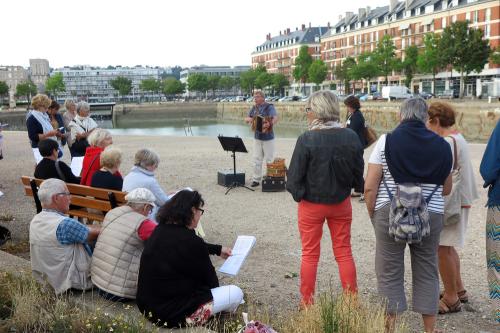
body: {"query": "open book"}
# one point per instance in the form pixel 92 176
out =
pixel 240 252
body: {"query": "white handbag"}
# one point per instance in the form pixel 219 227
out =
pixel 453 201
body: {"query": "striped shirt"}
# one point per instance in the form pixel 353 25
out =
pixel 435 205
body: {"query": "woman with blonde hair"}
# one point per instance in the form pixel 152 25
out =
pixel 38 124
pixel 441 121
pixel 99 139
pixel 326 164
pixel 108 175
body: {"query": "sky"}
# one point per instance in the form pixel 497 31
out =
pixel 153 32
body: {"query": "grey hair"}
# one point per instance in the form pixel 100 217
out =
pixel 69 102
pixel 136 206
pixel 414 108
pixel 259 92
pixel 145 158
pixel 97 136
pixel 325 105
pixel 82 106
pixel 49 188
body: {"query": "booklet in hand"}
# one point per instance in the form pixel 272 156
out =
pixel 240 251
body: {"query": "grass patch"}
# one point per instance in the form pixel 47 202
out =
pixel 16 248
pixel 6 217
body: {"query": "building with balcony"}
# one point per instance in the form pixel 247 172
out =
pixel 93 83
pixel 406 22
pixel 221 71
pixel 278 53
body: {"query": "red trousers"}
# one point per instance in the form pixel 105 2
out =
pixel 311 219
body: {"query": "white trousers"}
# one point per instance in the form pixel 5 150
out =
pixel 227 298
pixel 262 151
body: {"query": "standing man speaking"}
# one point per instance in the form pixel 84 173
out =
pixel 264 139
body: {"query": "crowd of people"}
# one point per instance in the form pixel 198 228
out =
pixel 148 250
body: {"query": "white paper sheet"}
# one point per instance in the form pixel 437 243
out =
pixel 241 248
pixel 76 165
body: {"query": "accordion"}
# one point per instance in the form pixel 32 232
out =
pixel 258 124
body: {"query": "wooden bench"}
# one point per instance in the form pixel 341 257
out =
pixel 82 197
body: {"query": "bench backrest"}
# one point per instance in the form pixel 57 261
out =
pixel 82 196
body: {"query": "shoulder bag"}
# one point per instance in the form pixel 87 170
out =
pixel 452 201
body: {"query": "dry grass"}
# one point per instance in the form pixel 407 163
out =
pixel 6 217
pixel 16 248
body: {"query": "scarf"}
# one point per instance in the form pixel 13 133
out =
pixel 318 124
pixel 415 154
pixel 44 120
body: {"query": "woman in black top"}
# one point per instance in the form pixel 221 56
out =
pixel 326 163
pixel 50 167
pixel 177 282
pixel 108 176
pixel 57 122
pixel 356 122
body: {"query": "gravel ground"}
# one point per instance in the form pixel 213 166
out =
pixel 271 217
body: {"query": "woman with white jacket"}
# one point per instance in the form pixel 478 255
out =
pixel 81 127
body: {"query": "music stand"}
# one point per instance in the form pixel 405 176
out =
pixel 234 145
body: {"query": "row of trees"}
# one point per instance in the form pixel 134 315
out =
pixel 169 86
pixel 459 47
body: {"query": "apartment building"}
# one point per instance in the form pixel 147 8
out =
pixel 12 76
pixel 39 73
pixel 406 22
pixel 93 83
pixel 222 71
pixel 278 53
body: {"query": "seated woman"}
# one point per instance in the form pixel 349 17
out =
pixel 177 282
pixel 142 175
pixel 99 139
pixel 50 167
pixel 108 176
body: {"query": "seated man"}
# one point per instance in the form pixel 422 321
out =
pixel 60 254
pixel 50 167
pixel 115 263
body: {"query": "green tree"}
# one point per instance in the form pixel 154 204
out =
pixel 4 89
pixel 55 84
pixel 302 64
pixel 172 86
pixel 365 68
pixel 317 72
pixel 385 56
pixel 430 60
pixel 495 56
pixel 213 83
pixel 27 89
pixel 197 82
pixel 409 65
pixel 121 84
pixel 468 51
pixel 280 81
pixel 227 83
pixel 263 80
pixel 247 79
pixel 343 73
pixel 150 85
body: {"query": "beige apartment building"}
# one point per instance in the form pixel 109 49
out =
pixel 13 75
pixel 406 22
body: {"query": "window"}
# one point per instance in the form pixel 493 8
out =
pixel 476 16
pixel 487 30
pixel 488 14
pixel 467 16
pixel 443 22
pixel 454 18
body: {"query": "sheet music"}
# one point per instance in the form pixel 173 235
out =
pixel 76 165
pixel 240 251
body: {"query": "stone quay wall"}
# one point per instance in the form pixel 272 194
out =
pixel 475 119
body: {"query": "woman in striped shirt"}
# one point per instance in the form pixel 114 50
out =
pixel 410 154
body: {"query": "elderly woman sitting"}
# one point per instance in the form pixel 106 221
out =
pixel 177 281
pixel 326 163
pixel 142 175
pixel 108 175
pixel 99 139
pixel 410 154
pixel 81 127
pixel 115 263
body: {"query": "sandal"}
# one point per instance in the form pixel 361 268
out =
pixel 462 296
pixel 445 308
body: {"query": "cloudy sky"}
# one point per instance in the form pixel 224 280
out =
pixel 153 32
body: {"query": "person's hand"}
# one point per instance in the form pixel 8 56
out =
pixel 225 252
pixel 52 133
pixel 249 120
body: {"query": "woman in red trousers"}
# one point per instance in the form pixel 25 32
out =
pixel 326 163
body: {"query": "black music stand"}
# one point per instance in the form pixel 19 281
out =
pixel 234 145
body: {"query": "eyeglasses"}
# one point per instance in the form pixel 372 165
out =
pixel 149 208
pixel 201 210
pixel 308 110
pixel 63 193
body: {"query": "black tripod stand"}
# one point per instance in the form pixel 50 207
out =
pixel 234 144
